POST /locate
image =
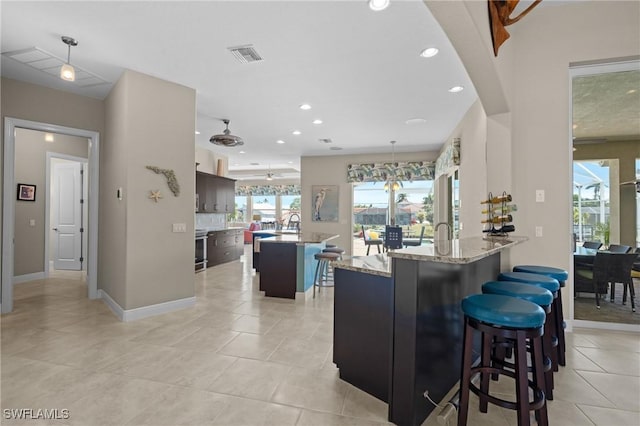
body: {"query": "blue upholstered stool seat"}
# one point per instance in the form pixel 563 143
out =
pixel 543 281
pixel 504 320
pixel 559 274
pixel 551 284
pixel 534 294
pixel 504 311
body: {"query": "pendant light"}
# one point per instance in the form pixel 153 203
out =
pixel 392 182
pixel 67 72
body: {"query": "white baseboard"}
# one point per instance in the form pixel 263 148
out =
pixel 28 277
pixel 304 296
pixel 145 311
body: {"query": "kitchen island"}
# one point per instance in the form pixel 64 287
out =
pixel 420 311
pixel 287 263
pixel 363 322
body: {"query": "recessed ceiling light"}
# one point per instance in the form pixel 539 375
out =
pixel 242 152
pixel 280 141
pixel 415 121
pixel 429 52
pixel 289 162
pixel 631 91
pixel 305 107
pixel 296 132
pixel 456 89
pixel 197 132
pixel 316 121
pixel 378 5
pixel 335 148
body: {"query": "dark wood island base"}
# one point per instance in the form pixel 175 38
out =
pixel 398 322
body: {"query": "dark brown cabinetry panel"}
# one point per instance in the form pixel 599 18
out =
pixel 216 194
pixel 224 246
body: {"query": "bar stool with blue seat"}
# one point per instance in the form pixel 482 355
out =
pixel 561 275
pixel 324 259
pixel 333 249
pixel 541 297
pixel 550 284
pixel 519 322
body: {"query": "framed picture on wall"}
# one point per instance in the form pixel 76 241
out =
pixel 324 203
pixel 26 192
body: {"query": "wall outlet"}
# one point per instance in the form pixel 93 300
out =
pixel 538 231
pixel 179 227
pixel 32 222
pixel 539 195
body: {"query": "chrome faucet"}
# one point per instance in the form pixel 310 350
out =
pixel 450 231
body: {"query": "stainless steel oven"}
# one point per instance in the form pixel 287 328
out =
pixel 201 250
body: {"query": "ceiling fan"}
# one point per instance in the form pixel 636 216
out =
pixel 226 138
pixel 632 182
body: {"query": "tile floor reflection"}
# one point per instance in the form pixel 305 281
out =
pixel 238 358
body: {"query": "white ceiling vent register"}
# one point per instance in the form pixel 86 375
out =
pixel 46 62
pixel 245 54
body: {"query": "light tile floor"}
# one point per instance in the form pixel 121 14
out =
pixel 238 358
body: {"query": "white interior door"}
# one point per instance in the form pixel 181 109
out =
pixel 67 215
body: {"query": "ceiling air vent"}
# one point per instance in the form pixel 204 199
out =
pixel 245 54
pixel 325 140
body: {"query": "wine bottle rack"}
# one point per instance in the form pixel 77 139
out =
pixel 498 215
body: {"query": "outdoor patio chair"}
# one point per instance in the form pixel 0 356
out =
pixel 414 241
pixel 368 241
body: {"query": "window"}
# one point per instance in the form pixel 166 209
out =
pixel 413 203
pixel 240 213
pixel 265 206
pixel 591 200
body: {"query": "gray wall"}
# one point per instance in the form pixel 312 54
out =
pixel 37 103
pixel 142 262
pixel 30 166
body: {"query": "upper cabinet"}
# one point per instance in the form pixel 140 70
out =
pixel 214 194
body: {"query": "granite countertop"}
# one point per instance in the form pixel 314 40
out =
pixel 378 264
pixel 465 250
pixel 302 238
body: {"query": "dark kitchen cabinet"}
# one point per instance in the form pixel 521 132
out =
pixel 215 194
pixel 224 246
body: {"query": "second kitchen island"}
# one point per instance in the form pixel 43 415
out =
pixel 287 263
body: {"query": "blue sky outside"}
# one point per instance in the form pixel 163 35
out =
pixel 593 174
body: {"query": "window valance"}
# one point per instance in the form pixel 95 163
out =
pixel 267 190
pixel 381 172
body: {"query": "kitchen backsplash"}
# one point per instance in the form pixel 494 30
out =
pixel 211 220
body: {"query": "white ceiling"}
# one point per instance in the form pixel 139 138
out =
pixel 360 70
